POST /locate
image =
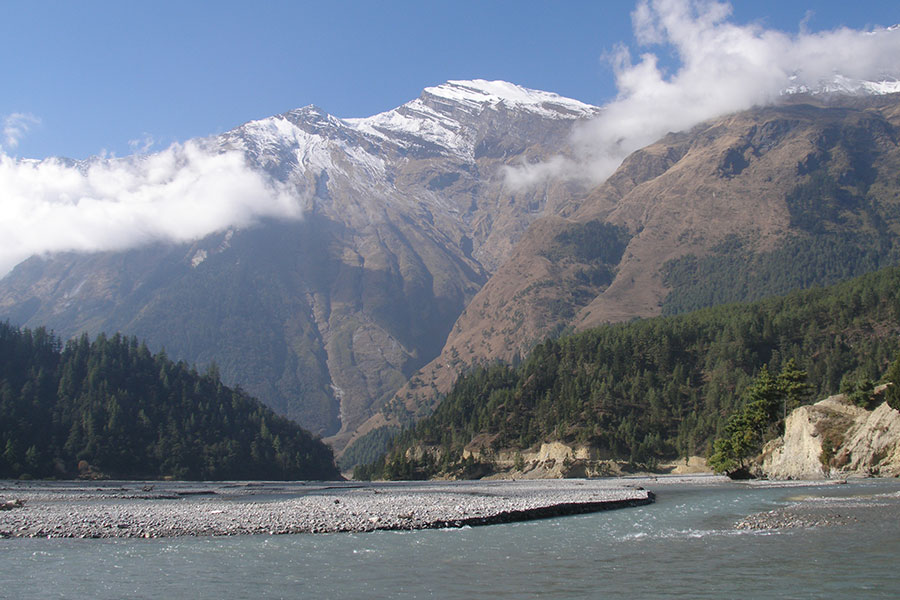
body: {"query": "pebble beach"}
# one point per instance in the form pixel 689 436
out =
pixel 164 509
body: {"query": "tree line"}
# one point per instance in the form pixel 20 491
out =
pixel 111 408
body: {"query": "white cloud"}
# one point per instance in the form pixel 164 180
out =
pixel 143 144
pixel 722 67
pixel 15 126
pixel 182 193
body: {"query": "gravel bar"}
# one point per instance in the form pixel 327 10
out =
pixel 815 511
pixel 154 509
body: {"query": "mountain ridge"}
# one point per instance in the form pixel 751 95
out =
pixel 415 257
pixel 689 196
pixel 325 317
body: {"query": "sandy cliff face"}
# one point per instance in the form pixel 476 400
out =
pixel 833 438
pixel 874 446
pixel 556 460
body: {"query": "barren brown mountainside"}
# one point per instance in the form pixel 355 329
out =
pixel 747 205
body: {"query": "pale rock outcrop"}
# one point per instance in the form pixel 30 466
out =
pixel 874 446
pixel 556 460
pixel 834 438
pixel 553 460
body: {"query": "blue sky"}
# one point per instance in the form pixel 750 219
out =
pixel 94 76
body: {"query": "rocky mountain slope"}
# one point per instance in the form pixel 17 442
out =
pixel 405 215
pixel 752 204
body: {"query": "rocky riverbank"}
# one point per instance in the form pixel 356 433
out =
pixel 796 516
pixel 151 510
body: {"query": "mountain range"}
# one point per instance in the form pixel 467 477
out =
pixel 416 256
pixel 405 214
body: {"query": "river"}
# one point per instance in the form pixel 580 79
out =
pixel 683 546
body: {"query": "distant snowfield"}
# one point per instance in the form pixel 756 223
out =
pixel 845 85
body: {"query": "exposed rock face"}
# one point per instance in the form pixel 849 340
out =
pixel 833 438
pixel 556 460
pixel 798 454
pixel 553 460
pixel 873 447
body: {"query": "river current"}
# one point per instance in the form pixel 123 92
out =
pixel 683 546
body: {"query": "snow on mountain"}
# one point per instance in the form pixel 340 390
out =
pixel 272 138
pixel 412 123
pixel 435 116
pixel 478 93
pixel 845 85
pixel 444 120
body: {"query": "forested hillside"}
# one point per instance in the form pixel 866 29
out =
pixel 110 408
pixel 658 388
pixel 740 208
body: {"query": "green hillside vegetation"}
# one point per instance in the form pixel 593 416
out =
pixel 367 448
pixel 733 272
pixel 110 408
pixel 659 388
pixel 593 241
pixel 838 232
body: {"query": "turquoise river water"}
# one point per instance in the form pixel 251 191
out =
pixel 683 546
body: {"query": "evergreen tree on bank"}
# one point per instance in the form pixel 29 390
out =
pixel 111 408
pixel 767 402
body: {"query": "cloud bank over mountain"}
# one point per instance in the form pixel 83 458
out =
pixel 722 67
pixel 186 191
pixel 182 193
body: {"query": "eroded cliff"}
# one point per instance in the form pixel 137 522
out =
pixel 834 438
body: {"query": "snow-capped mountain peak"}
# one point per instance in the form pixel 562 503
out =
pixel 443 114
pixel 481 93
